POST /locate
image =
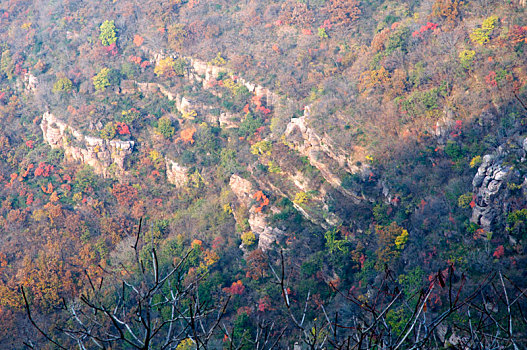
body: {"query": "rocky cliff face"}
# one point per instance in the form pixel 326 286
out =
pixel 30 82
pixel 102 155
pixel 206 73
pixel 316 211
pixel 182 103
pixel 177 174
pixel 491 183
pixel 131 86
pixel 244 190
pixel 319 150
pixel 320 153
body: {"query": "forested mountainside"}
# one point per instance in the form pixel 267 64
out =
pixel 253 174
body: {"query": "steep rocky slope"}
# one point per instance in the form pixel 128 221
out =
pixel 318 150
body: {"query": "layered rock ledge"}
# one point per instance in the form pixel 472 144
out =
pixel 104 156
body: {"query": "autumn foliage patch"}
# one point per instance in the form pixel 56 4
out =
pixel 262 199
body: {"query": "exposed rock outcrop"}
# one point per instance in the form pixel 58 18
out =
pixel 443 126
pixel 30 82
pixel 267 235
pixel 325 221
pixel 319 149
pixel 228 121
pixel 131 86
pixel 176 173
pixel 311 144
pixel 182 103
pixel 449 124
pixel 315 148
pixel 490 183
pixel 243 189
pixel 98 153
pixel 206 73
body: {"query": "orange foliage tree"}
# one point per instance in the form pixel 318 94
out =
pixel 388 251
pixel 343 12
pixel 379 40
pixel 138 40
pixel 296 13
pixel 257 264
pixel 237 288
pixel 187 135
pixel 48 189
pixel 518 34
pixel 126 195
pixel 54 197
pixel 447 9
pixel 262 199
pixel 54 211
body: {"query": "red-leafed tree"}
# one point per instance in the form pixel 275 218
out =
pixel 122 128
pixel 237 288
